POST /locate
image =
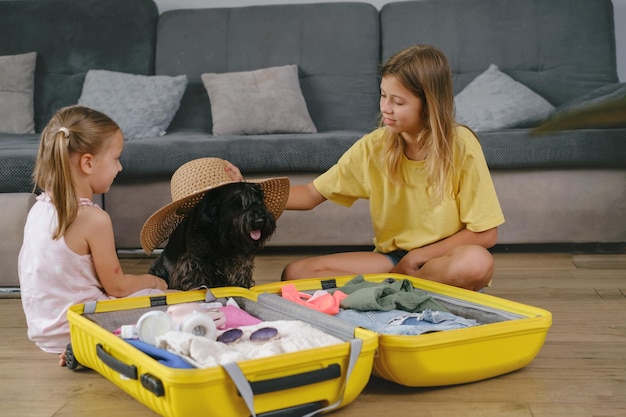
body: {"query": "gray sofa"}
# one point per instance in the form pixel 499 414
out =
pixel 566 187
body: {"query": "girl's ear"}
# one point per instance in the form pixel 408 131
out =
pixel 86 163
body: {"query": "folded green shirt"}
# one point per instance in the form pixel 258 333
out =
pixel 387 295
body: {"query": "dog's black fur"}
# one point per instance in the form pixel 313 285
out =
pixel 215 244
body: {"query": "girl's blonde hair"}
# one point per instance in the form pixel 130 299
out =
pixel 73 129
pixel 424 70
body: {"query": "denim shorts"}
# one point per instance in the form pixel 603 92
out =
pixel 396 255
pixel 401 322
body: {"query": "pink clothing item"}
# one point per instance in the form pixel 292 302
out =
pixel 53 277
pixel 236 317
pixel 321 300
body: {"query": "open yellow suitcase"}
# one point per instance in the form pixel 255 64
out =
pixel 509 337
pixel 291 384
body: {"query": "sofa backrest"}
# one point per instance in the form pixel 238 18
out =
pixel 336 47
pixel 73 36
pixel 559 48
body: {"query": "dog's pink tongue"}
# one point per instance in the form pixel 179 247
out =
pixel 255 234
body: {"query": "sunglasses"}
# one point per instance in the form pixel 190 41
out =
pixel 264 334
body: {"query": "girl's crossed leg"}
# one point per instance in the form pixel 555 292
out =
pixel 468 266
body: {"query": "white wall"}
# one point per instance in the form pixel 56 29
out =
pixel 618 5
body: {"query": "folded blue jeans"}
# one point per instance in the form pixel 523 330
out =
pixel 400 322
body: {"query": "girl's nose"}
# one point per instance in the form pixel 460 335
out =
pixel 384 106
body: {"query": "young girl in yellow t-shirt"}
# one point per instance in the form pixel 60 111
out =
pixel 432 201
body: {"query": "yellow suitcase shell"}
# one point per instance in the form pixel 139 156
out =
pixel 509 342
pixel 282 382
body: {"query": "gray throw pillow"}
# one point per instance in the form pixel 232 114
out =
pixel 493 100
pixel 263 101
pixel 602 94
pixel 143 106
pixel 17 87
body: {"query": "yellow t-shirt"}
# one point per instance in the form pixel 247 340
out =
pixel 403 216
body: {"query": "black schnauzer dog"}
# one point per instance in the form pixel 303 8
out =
pixel 216 243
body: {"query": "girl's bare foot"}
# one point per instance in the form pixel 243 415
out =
pixel 62 361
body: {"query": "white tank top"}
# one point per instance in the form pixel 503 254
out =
pixel 53 277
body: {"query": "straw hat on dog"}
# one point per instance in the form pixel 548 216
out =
pixel 189 184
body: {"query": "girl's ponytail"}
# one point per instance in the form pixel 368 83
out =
pixel 74 129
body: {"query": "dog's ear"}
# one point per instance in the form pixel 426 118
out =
pixel 207 209
pixel 258 190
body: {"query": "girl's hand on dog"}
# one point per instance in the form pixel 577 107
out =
pixel 233 172
pixel 158 283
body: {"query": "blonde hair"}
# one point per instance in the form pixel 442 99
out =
pixel 73 129
pixel 424 70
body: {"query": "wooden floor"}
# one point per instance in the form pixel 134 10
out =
pixel 580 372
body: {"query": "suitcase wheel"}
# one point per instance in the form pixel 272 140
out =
pixel 70 359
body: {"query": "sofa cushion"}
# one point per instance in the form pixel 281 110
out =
pixel 600 95
pixel 72 37
pixel 159 157
pixel 336 46
pixel 316 152
pixel 560 49
pixel 19 152
pixel 267 100
pixel 253 154
pixel 584 148
pixel 17 85
pixel 493 100
pixel 143 106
